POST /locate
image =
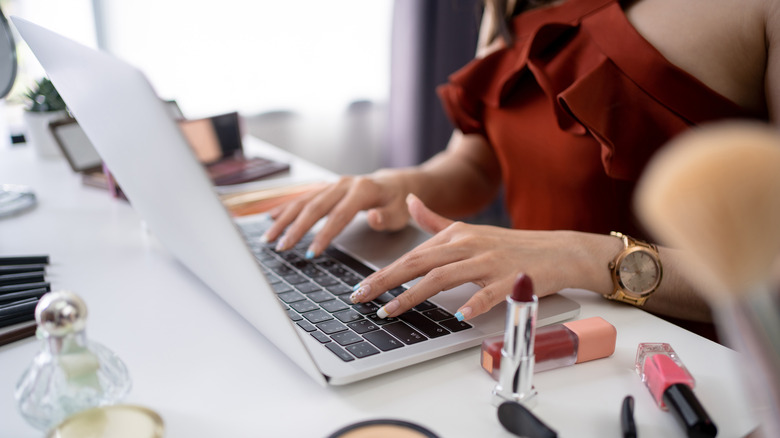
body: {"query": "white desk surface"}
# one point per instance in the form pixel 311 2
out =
pixel 209 374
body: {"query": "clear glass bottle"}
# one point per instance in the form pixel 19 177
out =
pixel 70 373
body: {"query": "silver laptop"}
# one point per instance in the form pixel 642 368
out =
pixel 142 145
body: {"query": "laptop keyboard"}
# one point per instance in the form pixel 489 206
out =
pixel 316 295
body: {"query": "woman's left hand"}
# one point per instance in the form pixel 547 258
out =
pixel 488 256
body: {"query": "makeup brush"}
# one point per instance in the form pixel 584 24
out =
pixel 714 193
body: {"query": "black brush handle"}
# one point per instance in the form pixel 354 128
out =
pixel 522 422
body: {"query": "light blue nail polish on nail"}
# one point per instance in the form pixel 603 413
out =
pixel 459 316
pixel 355 287
pixel 309 255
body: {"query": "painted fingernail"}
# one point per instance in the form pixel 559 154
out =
pixel 378 221
pixel 359 294
pixel 281 245
pixel 463 313
pixel 356 287
pixel 264 239
pixel 309 254
pixel 387 309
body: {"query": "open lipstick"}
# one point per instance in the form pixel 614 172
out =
pixel 517 354
pixel 558 345
pixel 671 386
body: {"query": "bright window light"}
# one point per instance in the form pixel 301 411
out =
pixel 254 56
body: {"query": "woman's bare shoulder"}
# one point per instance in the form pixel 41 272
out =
pixel 723 43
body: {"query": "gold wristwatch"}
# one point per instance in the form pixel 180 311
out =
pixel 636 271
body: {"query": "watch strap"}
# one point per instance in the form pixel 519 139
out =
pixel 623 297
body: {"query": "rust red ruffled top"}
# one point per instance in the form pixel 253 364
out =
pixel 574 110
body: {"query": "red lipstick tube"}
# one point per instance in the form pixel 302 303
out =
pixel 671 386
pixel 559 345
pixel 515 379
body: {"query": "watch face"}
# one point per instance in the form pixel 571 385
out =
pixel 639 272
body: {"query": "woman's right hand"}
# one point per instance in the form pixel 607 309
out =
pixel 382 193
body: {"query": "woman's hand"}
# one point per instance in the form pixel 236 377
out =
pixel 458 180
pixel 488 256
pixel 382 193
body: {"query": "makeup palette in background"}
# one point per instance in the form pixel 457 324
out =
pixel 111 421
pixel 216 141
pixel 383 428
pixel 217 144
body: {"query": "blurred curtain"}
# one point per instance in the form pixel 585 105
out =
pixel 430 40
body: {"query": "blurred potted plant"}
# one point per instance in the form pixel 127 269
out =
pixel 43 106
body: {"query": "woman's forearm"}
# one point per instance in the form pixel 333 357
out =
pixel 675 297
pixel 458 181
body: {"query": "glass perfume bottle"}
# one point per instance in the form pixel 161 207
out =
pixel 70 373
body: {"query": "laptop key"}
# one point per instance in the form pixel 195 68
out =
pixel 438 314
pixel 291 297
pixel 307 287
pixel 380 321
pixel 300 263
pixel 294 278
pixel 384 298
pixel 340 352
pixel 317 316
pixel 273 264
pixel 273 279
pixel 304 306
pixel 282 270
pixel 306 325
pixel 406 334
pixel 366 308
pixel 362 350
pixel 345 298
pixel 332 326
pixel 312 271
pixel 423 324
pixel 322 337
pixel 333 306
pixel 383 340
pixel 454 325
pixel 320 296
pixel 346 338
pixel 337 270
pixel 338 289
pixel 425 305
pixel 264 258
pixel 281 287
pixel 353 264
pixel 347 316
pixel 363 326
pixel 397 291
pixel 290 257
pixel 350 278
pixel 324 280
pixel 325 263
pixel 294 315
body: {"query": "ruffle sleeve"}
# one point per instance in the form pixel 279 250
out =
pixel 601 79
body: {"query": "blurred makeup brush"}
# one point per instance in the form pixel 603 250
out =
pixel 714 193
